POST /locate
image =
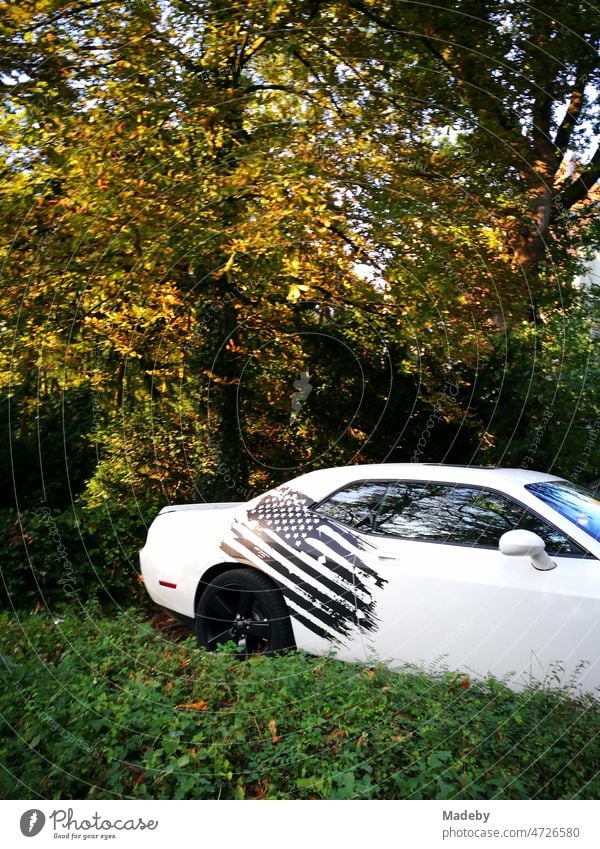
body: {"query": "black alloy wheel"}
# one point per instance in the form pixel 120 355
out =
pixel 243 606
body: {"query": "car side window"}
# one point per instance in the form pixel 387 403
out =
pixel 355 505
pixel 460 514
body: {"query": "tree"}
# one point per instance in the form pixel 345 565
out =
pixel 189 188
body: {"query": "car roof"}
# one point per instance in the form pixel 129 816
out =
pixel 320 482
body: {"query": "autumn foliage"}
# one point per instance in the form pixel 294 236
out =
pixel 203 202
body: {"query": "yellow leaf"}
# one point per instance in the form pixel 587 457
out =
pixel 295 292
pixel 229 264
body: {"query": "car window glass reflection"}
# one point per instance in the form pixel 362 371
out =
pixel 355 505
pixel 462 515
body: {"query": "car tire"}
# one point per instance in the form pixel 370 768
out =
pixel 245 607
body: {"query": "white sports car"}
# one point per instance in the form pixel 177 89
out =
pixel 488 571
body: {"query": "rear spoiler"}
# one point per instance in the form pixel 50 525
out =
pixel 224 505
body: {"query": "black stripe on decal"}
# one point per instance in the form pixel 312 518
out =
pixel 339 614
pixel 345 574
pixel 306 567
pixel 292 597
pixel 334 545
pixel 228 549
pixel 312 626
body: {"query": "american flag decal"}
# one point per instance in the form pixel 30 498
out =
pixel 316 561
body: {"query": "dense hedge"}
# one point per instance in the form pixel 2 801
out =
pixel 104 706
pixel 52 556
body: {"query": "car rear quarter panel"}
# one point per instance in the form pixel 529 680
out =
pixel 181 545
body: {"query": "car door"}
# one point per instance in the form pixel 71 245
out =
pixel 450 598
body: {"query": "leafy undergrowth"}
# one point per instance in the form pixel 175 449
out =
pixel 104 705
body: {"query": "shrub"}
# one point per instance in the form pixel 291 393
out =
pixel 51 556
pixel 105 707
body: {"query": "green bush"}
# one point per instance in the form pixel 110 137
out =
pixel 102 706
pixel 54 556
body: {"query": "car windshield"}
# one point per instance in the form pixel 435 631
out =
pixel 573 502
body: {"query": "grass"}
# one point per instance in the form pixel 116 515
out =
pixel 104 705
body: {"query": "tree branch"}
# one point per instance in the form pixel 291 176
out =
pixel 358 250
pixel 505 119
pixel 580 188
pixel 62 13
pixel 567 125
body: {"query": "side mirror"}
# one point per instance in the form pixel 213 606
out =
pixel 527 544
